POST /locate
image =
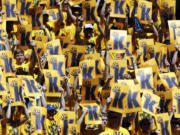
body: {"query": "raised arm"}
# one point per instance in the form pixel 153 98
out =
pixel 99 27
pixel 175 56
pixel 97 4
pixel 19 18
pixel 154 28
pixel 69 11
pixel 106 74
pixel 62 100
pixel 108 101
pixel 102 15
pixel 61 16
pixel 84 112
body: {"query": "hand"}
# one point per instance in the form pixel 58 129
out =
pixel 1 68
pixel 59 129
pixel 158 132
pixel 43 27
pixel 13 69
pixel 130 67
pixel 32 129
pixel 32 43
pixel 136 81
pixel 177 47
pixel 110 76
pixel 158 109
pixel 79 98
pixel 150 21
pixel 2 12
pixel 154 90
pixel 109 47
pixel 127 76
pixel 108 100
pixel 61 90
pixel 58 2
pixel 5 37
pixel 69 85
pixel 98 100
pixel 44 88
pixel 85 110
pixel 9 101
pixel 109 10
pixel 173 108
pixel 65 78
pixel 67 70
pixel 97 20
pixel 16 42
pixel 139 53
pixel 127 10
pixel 167 64
pixel 26 56
pixel 17 12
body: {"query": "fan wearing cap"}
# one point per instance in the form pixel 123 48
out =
pixel 47 27
pixel 52 127
pixel 67 29
pixel 51 121
pixel 91 42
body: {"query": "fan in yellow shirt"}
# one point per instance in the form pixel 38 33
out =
pixel 52 127
pixel 113 125
pixel 22 67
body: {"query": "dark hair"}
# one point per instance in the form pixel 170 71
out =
pixel 18 51
pixel 143 121
pixel 126 122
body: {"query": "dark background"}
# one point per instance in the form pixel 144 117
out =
pixel 178 9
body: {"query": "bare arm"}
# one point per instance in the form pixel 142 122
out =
pixel 63 106
pixel 107 83
pixel 107 64
pixel 19 18
pixel 99 27
pixel 154 28
pixel 79 98
pixel 82 116
pixel 171 113
pixel 70 14
pixel 61 16
pixel 97 4
pixel 134 62
pixel 43 99
pixel 109 99
pixel 77 35
pixel 175 55
pixel 103 10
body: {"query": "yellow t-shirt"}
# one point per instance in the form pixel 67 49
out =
pixel 51 127
pixel 109 131
pixel 25 128
pixel 12 39
pixel 68 32
pixel 12 130
pixel 23 67
pixel 90 45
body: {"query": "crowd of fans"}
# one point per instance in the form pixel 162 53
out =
pixel 65 35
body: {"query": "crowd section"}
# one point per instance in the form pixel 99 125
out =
pixel 89 67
